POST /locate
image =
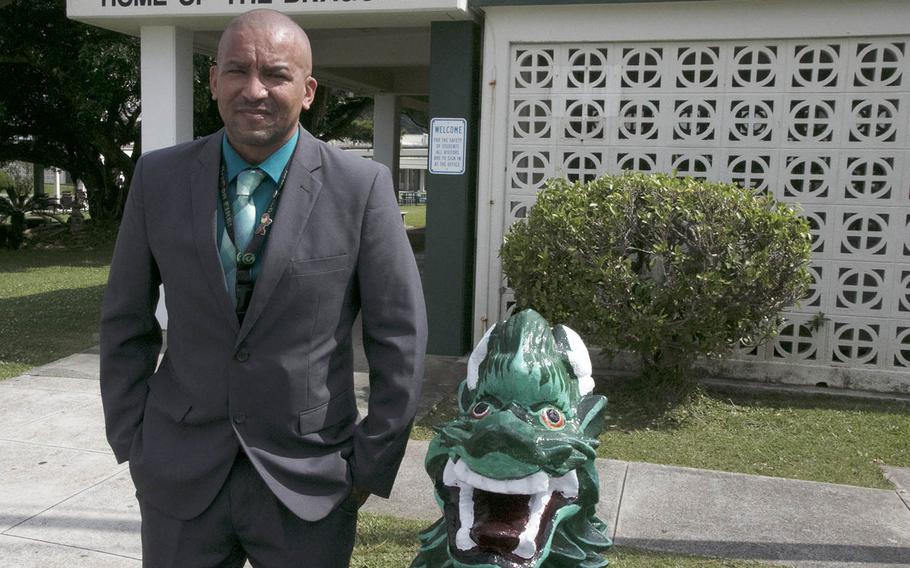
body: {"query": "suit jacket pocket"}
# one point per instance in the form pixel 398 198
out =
pixel 165 395
pixel 304 266
pixel 336 410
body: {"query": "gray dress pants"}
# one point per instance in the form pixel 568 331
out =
pixel 246 521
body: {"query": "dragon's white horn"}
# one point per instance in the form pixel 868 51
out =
pixel 477 357
pixel 578 357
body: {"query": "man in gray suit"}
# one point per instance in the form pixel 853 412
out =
pixel 244 442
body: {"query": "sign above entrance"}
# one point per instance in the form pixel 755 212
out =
pixel 77 8
pixel 211 15
pixel 448 144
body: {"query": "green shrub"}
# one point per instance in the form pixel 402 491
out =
pixel 670 268
pixel 5 180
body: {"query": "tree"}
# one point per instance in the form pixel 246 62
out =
pixel 72 101
pixel 337 115
pixel 72 98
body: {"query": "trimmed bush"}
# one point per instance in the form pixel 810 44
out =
pixel 670 268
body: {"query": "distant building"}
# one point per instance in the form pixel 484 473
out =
pixel 412 163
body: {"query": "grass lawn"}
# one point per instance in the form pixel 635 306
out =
pixel 829 439
pixel 50 301
pixel 415 216
pixel 385 542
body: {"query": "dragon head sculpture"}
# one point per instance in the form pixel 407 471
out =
pixel 514 472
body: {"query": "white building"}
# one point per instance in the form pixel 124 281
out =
pixel 808 98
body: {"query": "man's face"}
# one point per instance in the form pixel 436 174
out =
pixel 262 83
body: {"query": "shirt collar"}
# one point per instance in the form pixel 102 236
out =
pixel 273 166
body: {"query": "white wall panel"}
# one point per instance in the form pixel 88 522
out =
pixel 823 122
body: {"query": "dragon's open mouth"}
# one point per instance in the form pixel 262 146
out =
pixel 506 518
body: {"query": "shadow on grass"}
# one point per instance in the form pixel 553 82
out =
pixel 12 261
pixel 631 406
pixel 40 328
pixel 634 405
pixel 808 401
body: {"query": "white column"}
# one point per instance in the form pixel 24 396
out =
pixel 167 95
pixel 57 183
pixel 167 86
pixel 387 132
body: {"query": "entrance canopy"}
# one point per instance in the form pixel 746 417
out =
pixel 128 16
pixel 369 46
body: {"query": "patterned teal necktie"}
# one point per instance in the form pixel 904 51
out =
pixel 244 222
pixel 244 208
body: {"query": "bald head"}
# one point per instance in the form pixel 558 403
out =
pixel 278 26
pixel 262 81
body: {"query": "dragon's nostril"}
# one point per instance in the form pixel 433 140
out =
pixel 562 454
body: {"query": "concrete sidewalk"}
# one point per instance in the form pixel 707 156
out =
pixel 65 502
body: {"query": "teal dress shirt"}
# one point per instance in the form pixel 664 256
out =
pixel 273 166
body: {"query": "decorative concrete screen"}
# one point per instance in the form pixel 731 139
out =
pixel 822 123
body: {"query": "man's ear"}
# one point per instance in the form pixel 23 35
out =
pixel 309 86
pixel 213 81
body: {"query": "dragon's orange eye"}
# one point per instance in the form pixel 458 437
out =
pixel 480 409
pixel 552 418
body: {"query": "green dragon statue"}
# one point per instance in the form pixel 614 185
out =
pixel 514 472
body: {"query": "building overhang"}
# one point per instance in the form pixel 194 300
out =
pixel 367 46
pixel 129 16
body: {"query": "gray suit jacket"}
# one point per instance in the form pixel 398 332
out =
pixel 280 385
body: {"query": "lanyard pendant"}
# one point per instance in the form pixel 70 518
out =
pixel 264 222
pixel 245 259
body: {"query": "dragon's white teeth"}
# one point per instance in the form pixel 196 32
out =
pixel 463 538
pixel 534 483
pixel 527 545
pixel 567 484
pixel 539 486
pixel 448 474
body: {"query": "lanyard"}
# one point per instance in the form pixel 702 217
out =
pixel 247 258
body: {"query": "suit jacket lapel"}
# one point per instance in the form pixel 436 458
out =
pixel 298 197
pixel 204 192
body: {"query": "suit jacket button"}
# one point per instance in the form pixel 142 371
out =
pixel 239 418
pixel 242 355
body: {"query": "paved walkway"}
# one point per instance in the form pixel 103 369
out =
pixel 65 502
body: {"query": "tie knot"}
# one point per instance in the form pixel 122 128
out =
pixel 248 181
